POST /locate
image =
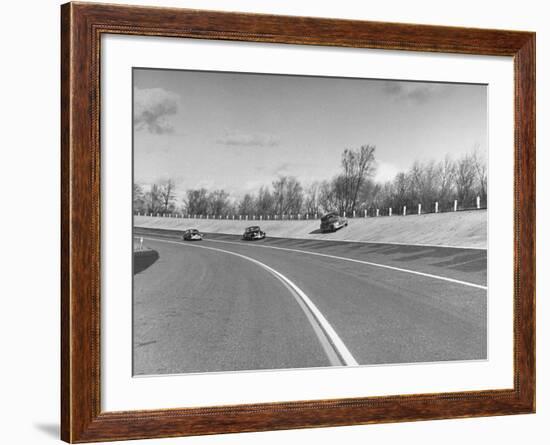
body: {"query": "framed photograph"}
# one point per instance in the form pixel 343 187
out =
pixel 274 222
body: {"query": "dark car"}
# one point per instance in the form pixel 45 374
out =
pixel 253 233
pixel 332 222
pixel 192 235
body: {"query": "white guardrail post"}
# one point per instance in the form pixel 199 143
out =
pixel 404 210
pixel 456 205
pixel 478 202
pixel 436 207
pixel 419 208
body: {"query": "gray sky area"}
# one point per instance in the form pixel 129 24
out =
pixel 240 131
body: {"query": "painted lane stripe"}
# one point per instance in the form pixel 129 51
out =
pixel 334 347
pixel 353 260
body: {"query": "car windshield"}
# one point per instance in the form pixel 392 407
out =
pixel 252 229
pixel 193 231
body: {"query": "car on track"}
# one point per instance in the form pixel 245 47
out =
pixel 253 233
pixel 192 235
pixel 332 221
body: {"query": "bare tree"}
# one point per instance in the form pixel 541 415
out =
pixel 465 180
pixel 265 203
pixel 447 173
pixel 288 195
pixel 247 205
pixel 312 199
pixel 480 166
pixel 424 179
pixel 401 190
pixel 152 199
pixel 327 197
pixel 357 166
pixel 197 201
pixel 166 195
pixel 385 194
pixel 218 202
pixel 138 198
pixel 369 195
pixel 352 190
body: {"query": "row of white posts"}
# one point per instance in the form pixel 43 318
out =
pixel 299 216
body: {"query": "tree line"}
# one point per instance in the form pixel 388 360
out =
pixel 352 190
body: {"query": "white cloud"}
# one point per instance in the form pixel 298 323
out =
pixel 248 140
pixel 412 91
pixel 386 171
pixel 152 108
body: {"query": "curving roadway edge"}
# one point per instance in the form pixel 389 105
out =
pixel 222 304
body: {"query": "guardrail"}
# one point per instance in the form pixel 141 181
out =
pixel 370 212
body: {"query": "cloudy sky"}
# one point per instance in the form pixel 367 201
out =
pixel 240 131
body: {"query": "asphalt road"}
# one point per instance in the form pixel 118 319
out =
pixel 222 304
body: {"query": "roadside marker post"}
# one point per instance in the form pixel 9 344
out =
pixel 456 205
pixel 419 208
pixel 404 210
pixel 390 211
pixel 436 206
pixel 478 202
pixel 141 243
pixel 377 212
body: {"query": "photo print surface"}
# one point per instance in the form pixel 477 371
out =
pixel 284 222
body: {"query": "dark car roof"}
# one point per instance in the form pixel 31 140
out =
pixel 329 215
pixel 192 230
pixel 252 228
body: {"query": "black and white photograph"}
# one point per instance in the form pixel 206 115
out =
pixel 290 222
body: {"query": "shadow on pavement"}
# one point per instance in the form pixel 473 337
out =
pixel 144 259
pixel 316 231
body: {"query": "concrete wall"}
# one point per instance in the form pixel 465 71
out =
pixel 461 229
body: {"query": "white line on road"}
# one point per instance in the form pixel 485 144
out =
pixel 353 260
pixel 330 334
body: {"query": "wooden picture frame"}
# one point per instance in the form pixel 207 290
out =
pixel 82 25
